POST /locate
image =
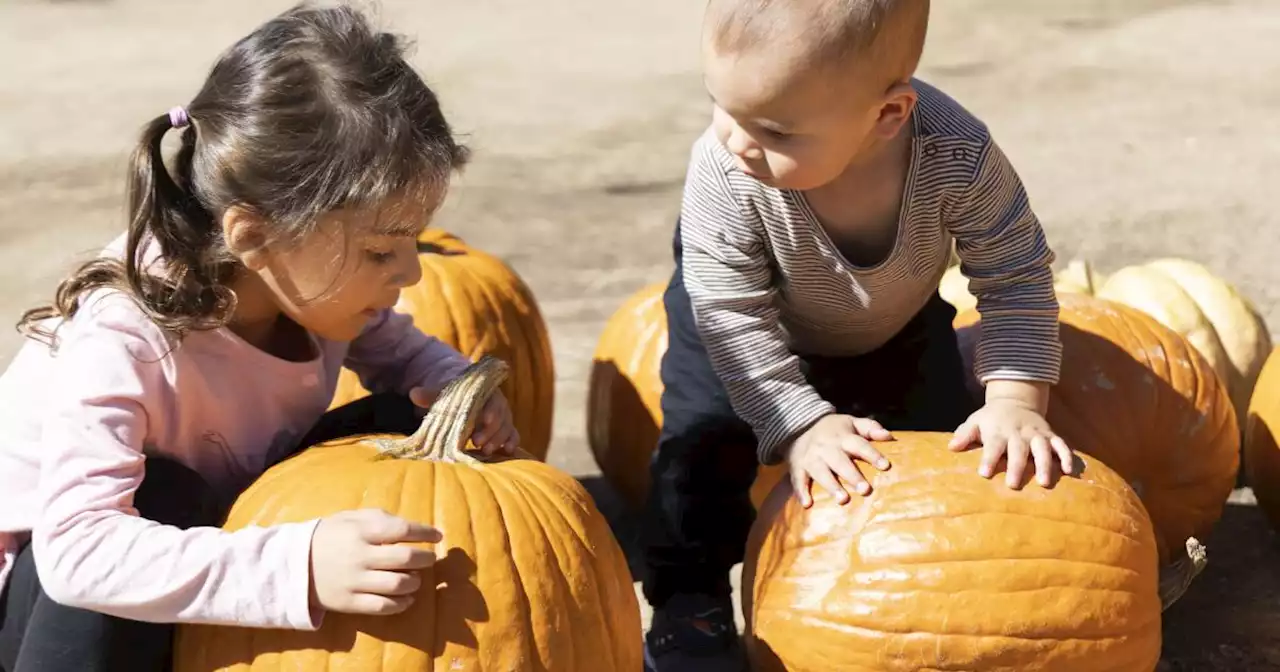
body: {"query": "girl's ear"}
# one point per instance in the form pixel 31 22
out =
pixel 245 233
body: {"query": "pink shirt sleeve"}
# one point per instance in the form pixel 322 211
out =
pixel 93 551
pixel 393 355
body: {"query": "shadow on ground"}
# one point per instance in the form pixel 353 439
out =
pixel 1228 619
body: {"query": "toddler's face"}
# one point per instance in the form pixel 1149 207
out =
pixel 788 126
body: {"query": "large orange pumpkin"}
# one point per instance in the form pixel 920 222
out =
pixel 1262 440
pixel 1139 397
pixel 940 569
pixel 529 576
pixel 473 301
pixel 624 395
pixel 1183 295
pixel 624 391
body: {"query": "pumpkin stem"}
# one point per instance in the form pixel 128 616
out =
pixel 450 421
pixel 1178 575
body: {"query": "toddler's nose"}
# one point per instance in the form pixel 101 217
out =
pixel 743 146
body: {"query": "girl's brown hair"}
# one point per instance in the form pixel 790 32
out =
pixel 312 112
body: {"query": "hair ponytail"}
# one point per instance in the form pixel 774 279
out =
pixel 188 292
pixel 315 111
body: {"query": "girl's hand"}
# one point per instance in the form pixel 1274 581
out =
pixel 367 561
pixel 494 434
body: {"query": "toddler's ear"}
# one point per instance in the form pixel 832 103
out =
pixel 896 107
pixel 246 237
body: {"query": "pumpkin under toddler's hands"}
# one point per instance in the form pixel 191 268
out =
pixel 495 430
pixel 824 454
pixel 1017 431
pixel 361 562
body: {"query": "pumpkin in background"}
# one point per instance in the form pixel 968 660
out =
pixel 528 576
pixel 1262 440
pixel 624 395
pixel 940 569
pixel 1077 277
pixel 473 301
pixel 1136 395
pixel 1221 323
pixel 954 289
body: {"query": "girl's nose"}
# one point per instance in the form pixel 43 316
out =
pixel 410 271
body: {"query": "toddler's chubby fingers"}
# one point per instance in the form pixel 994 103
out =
pixel 1065 456
pixel 871 430
pixel 800 482
pixel 823 476
pixel 1043 456
pixel 1016 454
pixel 965 435
pixel 848 472
pixel 856 446
pixel 993 448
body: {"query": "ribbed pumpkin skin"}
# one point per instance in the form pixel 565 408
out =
pixel 1139 397
pixel 625 391
pixel 940 569
pixel 1262 434
pixel 479 305
pixel 530 575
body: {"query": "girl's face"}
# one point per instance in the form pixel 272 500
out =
pixel 340 276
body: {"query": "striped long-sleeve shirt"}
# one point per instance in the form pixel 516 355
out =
pixel 766 281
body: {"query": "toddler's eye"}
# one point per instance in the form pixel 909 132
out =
pixel 776 135
pixel 379 257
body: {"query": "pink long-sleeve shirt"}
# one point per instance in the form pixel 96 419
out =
pixel 78 424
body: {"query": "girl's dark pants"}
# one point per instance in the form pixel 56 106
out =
pixel 40 635
pixel 699 511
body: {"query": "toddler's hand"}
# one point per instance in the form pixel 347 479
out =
pixel 824 453
pixel 1006 427
pixel 361 563
pixel 494 431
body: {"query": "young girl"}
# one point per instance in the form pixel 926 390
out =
pixel 201 347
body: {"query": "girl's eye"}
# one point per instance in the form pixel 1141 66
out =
pixel 776 135
pixel 379 257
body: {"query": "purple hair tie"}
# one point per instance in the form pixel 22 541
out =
pixel 178 116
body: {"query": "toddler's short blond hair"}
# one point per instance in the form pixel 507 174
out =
pixel 887 33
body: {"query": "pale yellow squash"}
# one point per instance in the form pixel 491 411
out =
pixel 1220 322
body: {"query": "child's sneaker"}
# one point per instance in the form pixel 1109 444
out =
pixel 694 633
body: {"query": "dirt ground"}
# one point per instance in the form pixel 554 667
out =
pixel 1142 128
